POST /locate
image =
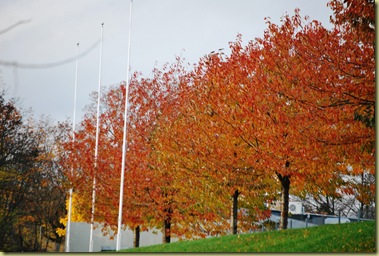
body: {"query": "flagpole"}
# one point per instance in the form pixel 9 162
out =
pixel 96 146
pixel 68 227
pixel 119 223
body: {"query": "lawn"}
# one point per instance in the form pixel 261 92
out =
pixel 348 237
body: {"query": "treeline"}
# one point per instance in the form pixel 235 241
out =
pixel 210 146
pixel 293 110
pixel 32 191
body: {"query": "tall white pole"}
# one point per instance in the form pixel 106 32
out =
pixel 68 227
pixel 96 146
pixel 118 245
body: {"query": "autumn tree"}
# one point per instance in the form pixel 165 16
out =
pixel 208 138
pixel 329 76
pixel 146 97
pixel 31 193
pixel 355 66
pixel 78 160
pixel 18 152
pixel 162 96
pixel 48 194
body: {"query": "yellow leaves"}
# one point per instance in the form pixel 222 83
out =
pixel 60 231
pixel 76 216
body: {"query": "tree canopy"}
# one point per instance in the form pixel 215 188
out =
pixel 31 184
pixel 211 146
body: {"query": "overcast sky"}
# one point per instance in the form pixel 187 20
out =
pixel 161 30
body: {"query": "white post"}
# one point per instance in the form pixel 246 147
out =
pixel 119 220
pixel 68 227
pixel 96 146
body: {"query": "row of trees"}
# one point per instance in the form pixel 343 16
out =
pixel 209 146
pixel 32 192
pixel 294 109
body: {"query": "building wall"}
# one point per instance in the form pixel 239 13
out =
pixel 80 233
pixel 293 223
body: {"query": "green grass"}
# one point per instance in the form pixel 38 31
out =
pixel 349 237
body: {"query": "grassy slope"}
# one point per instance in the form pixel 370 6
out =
pixel 350 237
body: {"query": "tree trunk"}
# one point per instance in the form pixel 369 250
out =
pixel 167 231
pixel 37 246
pixel 361 209
pixel 235 212
pixel 285 183
pixel 167 226
pixel 57 246
pixel 136 236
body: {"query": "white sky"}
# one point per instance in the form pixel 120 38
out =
pixel 161 30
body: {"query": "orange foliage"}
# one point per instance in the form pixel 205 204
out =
pixel 295 106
